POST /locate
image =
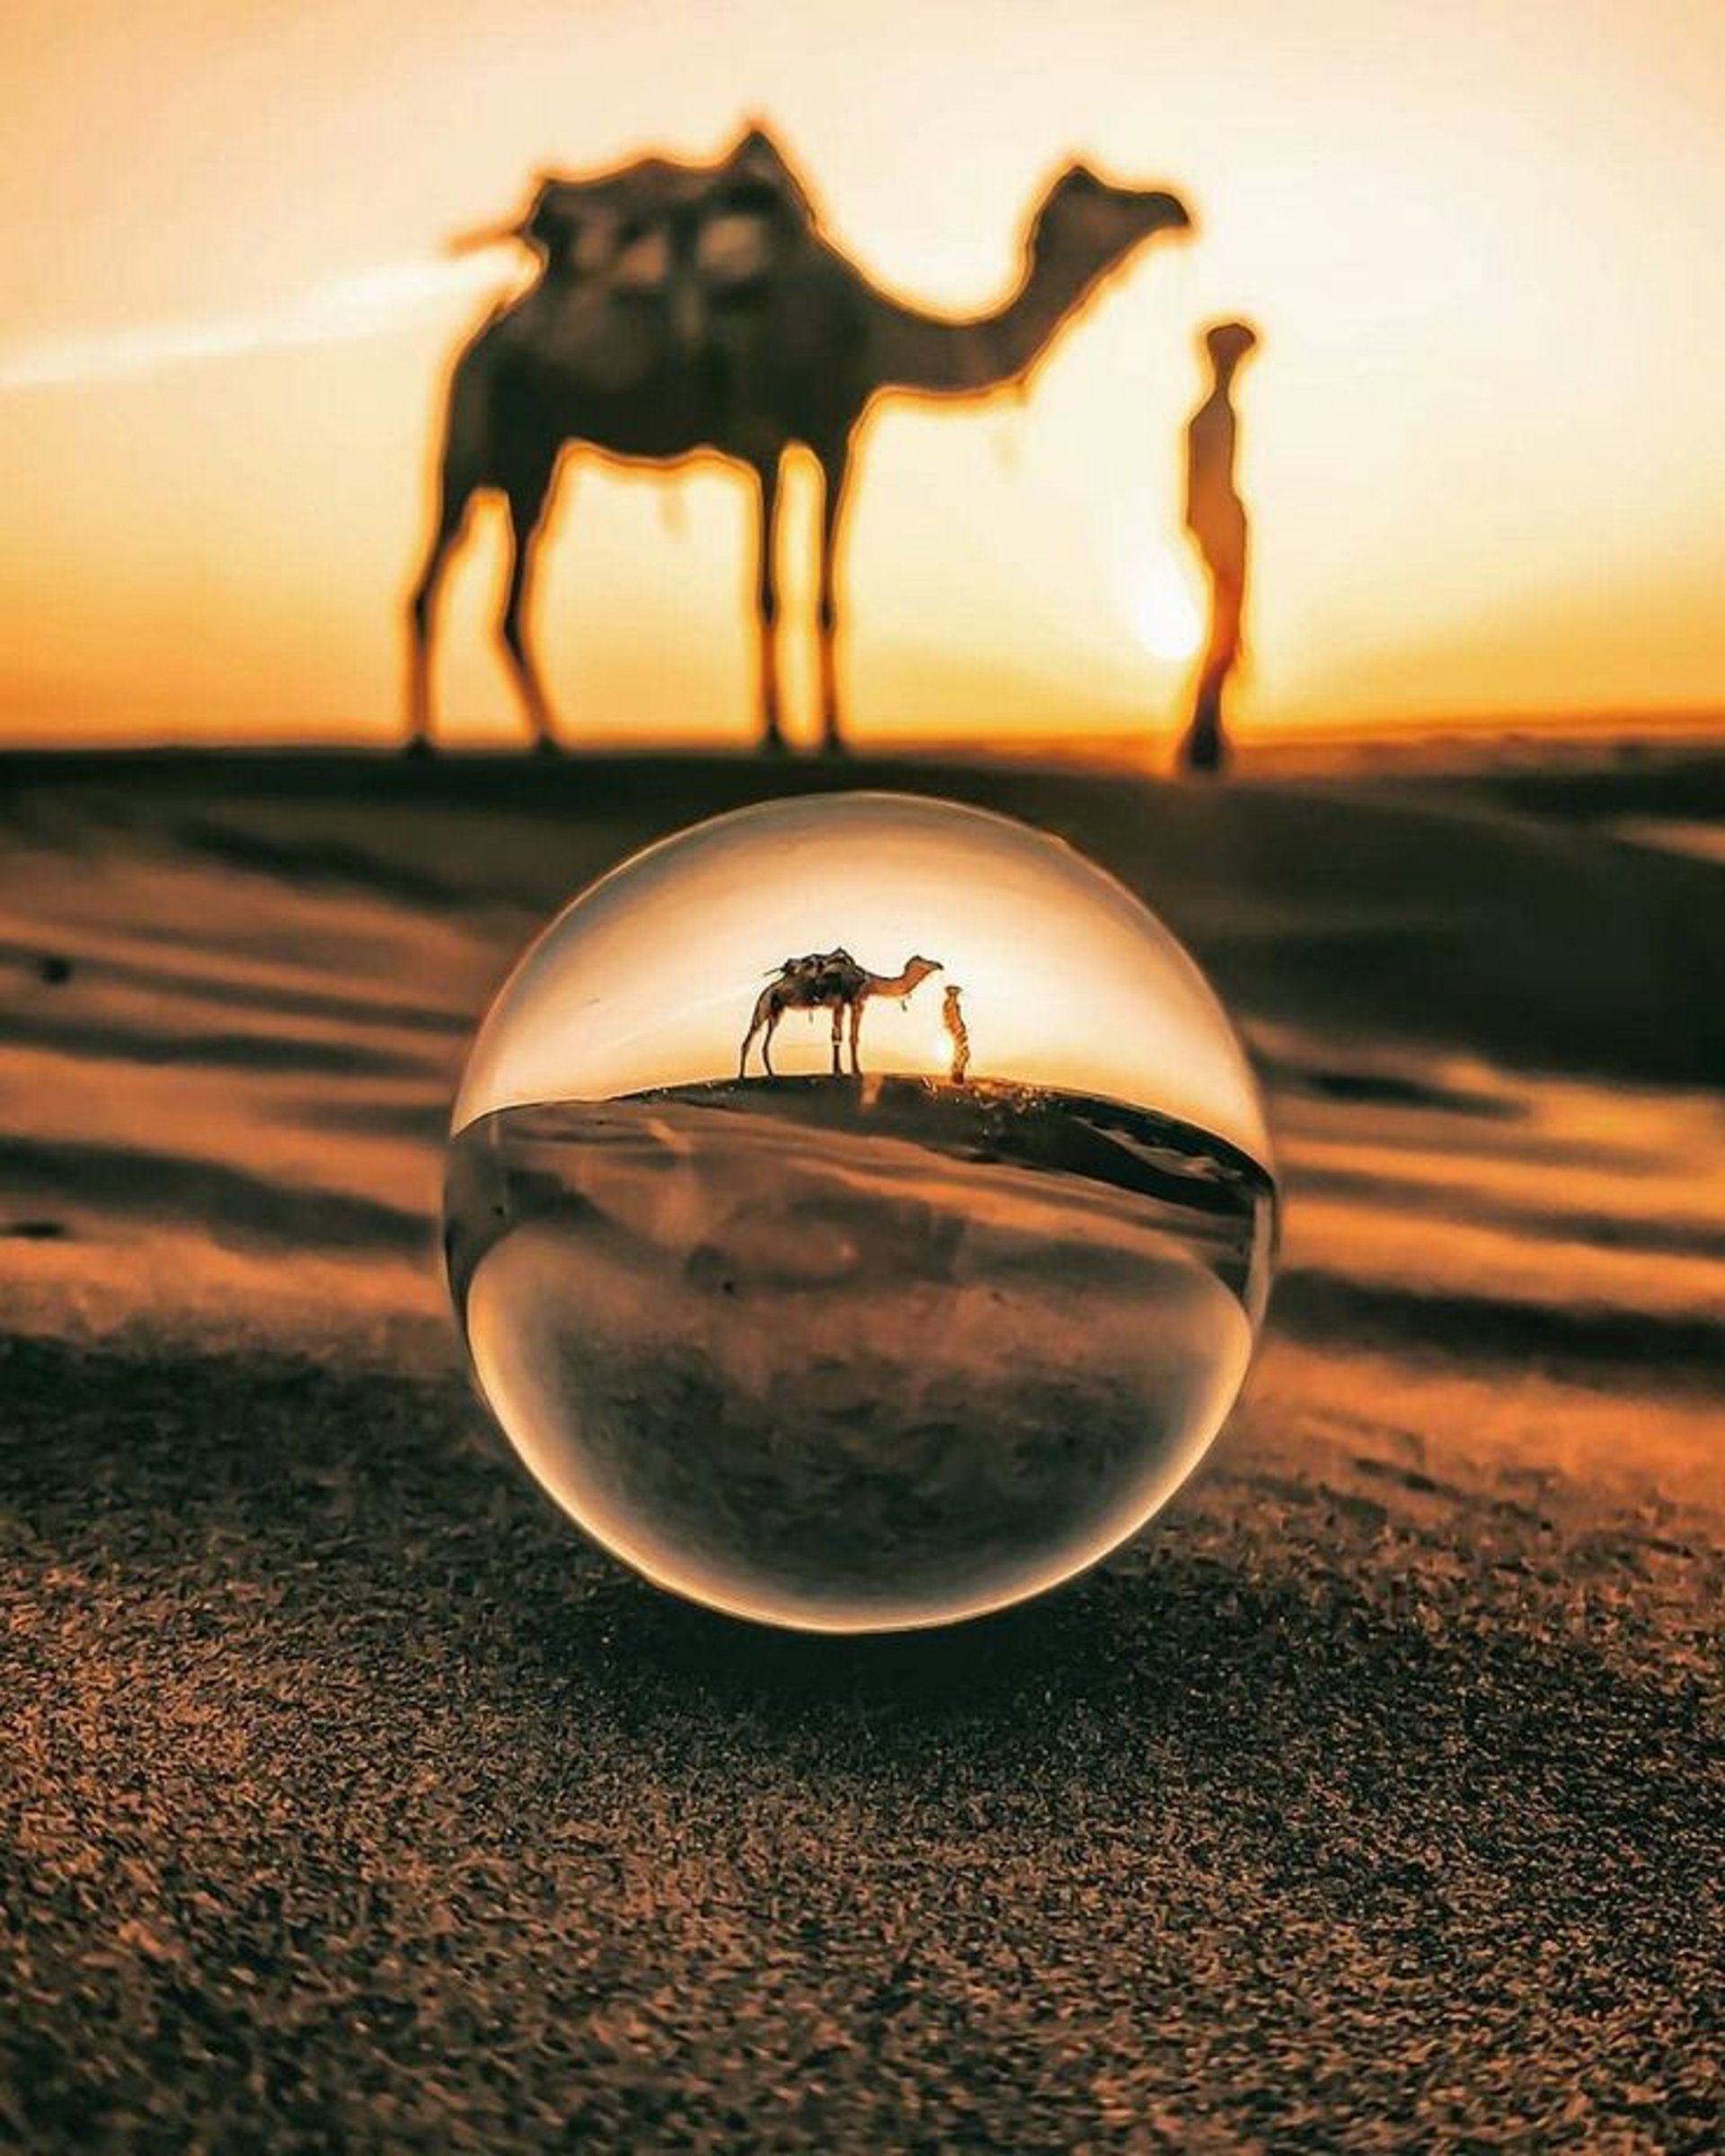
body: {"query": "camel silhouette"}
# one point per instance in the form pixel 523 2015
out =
pixel 831 981
pixel 685 311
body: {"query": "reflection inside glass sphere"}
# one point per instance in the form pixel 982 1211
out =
pixel 860 1213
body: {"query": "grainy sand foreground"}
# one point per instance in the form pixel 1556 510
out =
pixel 1374 1800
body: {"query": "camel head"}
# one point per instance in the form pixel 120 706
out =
pixel 1093 220
pixel 916 971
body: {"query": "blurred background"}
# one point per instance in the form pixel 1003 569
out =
pixel 1480 446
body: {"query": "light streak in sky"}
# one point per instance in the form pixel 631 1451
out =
pixel 367 303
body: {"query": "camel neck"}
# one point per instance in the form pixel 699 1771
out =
pixel 941 355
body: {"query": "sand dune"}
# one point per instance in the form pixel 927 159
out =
pixel 1459 1010
pixel 1371 1792
pixel 234 998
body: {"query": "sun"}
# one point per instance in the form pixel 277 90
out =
pixel 1163 609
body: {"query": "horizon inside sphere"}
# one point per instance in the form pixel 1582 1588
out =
pixel 859 1213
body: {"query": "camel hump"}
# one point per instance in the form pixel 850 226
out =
pixel 821 973
pixel 584 221
pixel 758 179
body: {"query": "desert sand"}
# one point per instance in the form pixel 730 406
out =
pixel 1373 1796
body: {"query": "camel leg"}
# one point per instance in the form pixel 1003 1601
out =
pixel 526 498
pixel 422 609
pixel 766 605
pixel 835 473
pixel 856 1035
pixel 838 1035
pixel 766 1045
pixel 762 1012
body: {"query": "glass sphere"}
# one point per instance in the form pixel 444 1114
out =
pixel 859 1211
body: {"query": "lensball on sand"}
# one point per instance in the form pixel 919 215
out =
pixel 856 1297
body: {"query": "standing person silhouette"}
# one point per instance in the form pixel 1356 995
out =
pixel 958 1032
pixel 1215 516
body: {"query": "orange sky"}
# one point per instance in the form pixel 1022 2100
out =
pixel 1483 442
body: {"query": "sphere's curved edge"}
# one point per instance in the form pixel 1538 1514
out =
pixel 741 1612
pixel 811 1628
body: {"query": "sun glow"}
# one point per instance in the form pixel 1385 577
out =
pixel 936 1045
pixel 1162 607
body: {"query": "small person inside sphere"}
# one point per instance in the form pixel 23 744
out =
pixel 952 1018
pixel 1215 516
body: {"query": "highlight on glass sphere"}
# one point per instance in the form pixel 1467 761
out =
pixel 860 1213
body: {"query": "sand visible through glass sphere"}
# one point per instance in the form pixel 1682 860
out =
pixel 871 1347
